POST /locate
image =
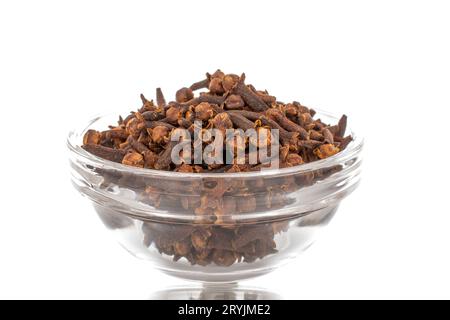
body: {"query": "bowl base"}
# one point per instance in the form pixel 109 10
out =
pixel 214 291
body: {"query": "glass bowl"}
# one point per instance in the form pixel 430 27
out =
pixel 215 227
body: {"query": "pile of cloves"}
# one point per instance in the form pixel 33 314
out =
pixel 143 139
pixel 203 245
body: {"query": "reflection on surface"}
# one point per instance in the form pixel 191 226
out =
pixel 228 291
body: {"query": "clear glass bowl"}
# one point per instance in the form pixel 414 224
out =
pixel 215 227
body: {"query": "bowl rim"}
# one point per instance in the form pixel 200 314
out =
pixel 352 149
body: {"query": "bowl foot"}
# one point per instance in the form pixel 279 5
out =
pixel 214 291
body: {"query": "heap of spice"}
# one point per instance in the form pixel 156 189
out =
pixel 143 139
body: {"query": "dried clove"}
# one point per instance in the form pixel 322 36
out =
pixel 184 95
pixel 327 136
pixel 160 100
pixel 153 124
pixel 199 85
pixel 204 111
pixel 215 86
pixel 250 98
pixel 250 115
pixel 326 150
pixel 115 155
pixel 134 159
pixel 342 126
pixel 229 81
pixel 241 122
pixel 92 137
pixel 234 102
pixel 287 124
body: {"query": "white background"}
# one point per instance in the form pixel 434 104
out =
pixel 384 63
